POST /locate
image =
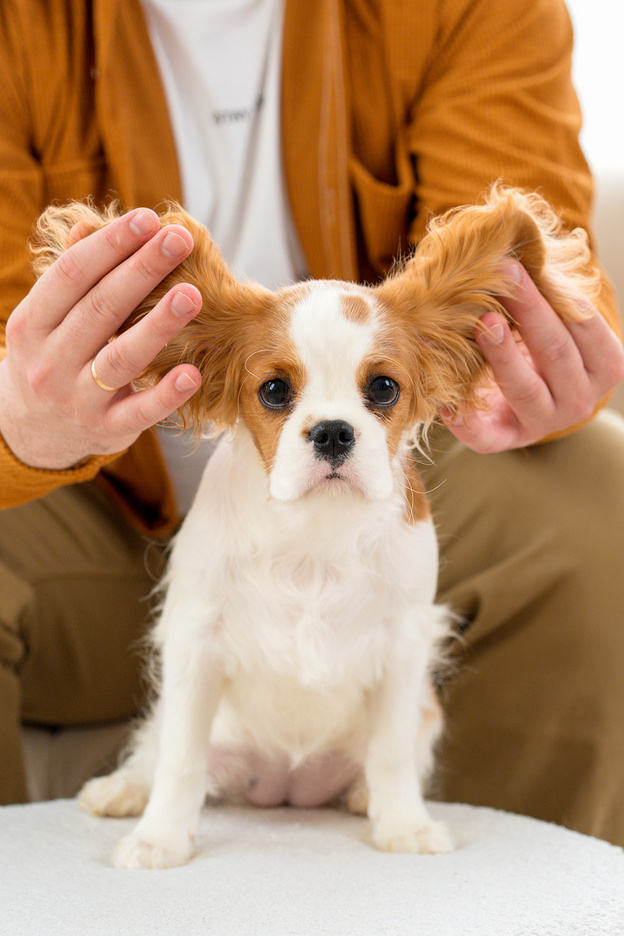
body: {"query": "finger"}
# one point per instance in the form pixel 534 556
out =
pixel 92 322
pixel 554 353
pixel 521 385
pixel 485 431
pixel 85 263
pixel 136 412
pixel 78 231
pixel 601 351
pixel 123 359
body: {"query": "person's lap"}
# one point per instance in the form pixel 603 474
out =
pixel 531 545
pixel 75 581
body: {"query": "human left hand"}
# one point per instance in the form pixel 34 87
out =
pixel 548 376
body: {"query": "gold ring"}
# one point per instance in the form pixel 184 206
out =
pixel 99 382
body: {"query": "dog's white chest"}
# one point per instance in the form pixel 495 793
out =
pixel 308 619
pixel 309 591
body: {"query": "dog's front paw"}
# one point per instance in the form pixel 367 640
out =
pixel 428 838
pixel 149 851
pixel 122 793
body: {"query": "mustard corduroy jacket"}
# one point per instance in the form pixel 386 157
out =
pixel 391 110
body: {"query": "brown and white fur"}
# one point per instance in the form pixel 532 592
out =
pixel 299 626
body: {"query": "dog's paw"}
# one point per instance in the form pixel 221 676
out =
pixel 122 793
pixel 430 838
pixel 138 851
pixel 355 798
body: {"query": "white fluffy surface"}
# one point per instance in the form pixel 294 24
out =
pixel 295 872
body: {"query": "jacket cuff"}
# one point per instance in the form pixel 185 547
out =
pixel 22 483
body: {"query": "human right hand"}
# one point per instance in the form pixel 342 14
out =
pixel 53 414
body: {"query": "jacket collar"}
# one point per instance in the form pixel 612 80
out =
pixel 316 135
pixel 140 149
pixel 132 108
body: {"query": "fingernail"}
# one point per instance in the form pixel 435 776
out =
pixel 184 383
pixel 173 246
pixel 182 305
pixel 494 334
pixel 514 272
pixel 143 222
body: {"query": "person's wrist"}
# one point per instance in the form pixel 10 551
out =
pixel 32 443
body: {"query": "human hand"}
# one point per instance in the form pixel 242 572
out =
pixel 548 381
pixel 53 414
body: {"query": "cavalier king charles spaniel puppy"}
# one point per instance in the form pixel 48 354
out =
pixel 299 632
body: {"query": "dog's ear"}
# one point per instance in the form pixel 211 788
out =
pixel 220 337
pixel 60 226
pixel 460 270
pixel 217 340
pixel 558 259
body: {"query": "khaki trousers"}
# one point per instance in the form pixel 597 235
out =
pixel 75 580
pixel 532 547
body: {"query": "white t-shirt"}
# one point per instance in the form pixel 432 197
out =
pixel 220 64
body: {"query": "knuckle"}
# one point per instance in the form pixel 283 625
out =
pixel 583 410
pixel 144 264
pixel 40 377
pixel 68 269
pixel 617 365
pixel 100 305
pixel 142 415
pixel 113 423
pixel 43 380
pixel 557 351
pixel 610 371
pixel 529 397
pixel 485 447
pixel 113 235
pixel 162 330
pixel 119 361
pixel 16 329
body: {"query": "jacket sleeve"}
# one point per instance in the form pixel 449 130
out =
pixel 498 103
pixel 22 198
pixel 21 174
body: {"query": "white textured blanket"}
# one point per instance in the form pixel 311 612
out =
pixel 288 872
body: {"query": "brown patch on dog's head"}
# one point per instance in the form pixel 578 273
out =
pixel 355 307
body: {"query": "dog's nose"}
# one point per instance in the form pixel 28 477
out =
pixel 333 439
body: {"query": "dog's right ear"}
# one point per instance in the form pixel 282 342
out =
pixel 217 340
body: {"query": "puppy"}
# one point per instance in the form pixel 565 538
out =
pixel 299 630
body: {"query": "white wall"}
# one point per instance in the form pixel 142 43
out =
pixel 599 79
pixel 598 71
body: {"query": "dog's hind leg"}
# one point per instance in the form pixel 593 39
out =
pixel 355 797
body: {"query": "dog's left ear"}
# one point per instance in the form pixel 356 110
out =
pixel 460 270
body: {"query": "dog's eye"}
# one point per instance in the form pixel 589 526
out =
pixel 275 393
pixel 383 391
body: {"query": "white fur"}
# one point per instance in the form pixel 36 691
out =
pixel 331 348
pixel 297 631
